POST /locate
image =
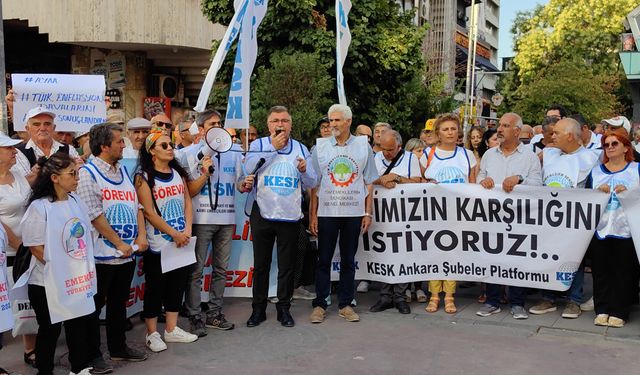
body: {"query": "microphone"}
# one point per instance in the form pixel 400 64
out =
pixel 205 151
pixel 258 166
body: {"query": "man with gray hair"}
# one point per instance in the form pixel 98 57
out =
pixel 212 188
pixel 395 166
pixel 118 231
pixel 379 129
pixel 566 164
pixel 510 164
pixel 346 171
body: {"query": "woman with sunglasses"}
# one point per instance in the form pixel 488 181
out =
pixel 614 266
pixel 61 277
pixel 162 190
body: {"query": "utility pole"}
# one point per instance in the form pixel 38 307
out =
pixel 469 94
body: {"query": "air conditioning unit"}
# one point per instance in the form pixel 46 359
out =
pixel 166 86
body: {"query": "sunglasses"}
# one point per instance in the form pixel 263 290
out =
pixel 167 125
pixel 72 172
pixel 613 144
pixel 166 145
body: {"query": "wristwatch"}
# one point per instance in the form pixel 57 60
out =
pixel 398 179
pixel 520 179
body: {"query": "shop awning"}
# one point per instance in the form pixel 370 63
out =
pixel 481 62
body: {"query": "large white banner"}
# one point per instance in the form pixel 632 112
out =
pixel 239 92
pixel 77 100
pixel 630 201
pixel 343 40
pixel 531 237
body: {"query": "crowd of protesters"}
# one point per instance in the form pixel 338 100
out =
pixel 109 213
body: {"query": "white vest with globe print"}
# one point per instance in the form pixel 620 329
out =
pixel 279 185
pixel 120 208
pixel 567 170
pixel 613 222
pixel 169 196
pixel 454 169
pixel 342 191
pixel 401 168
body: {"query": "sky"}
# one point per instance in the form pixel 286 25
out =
pixel 508 10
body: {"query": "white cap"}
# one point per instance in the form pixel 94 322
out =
pixel 8 141
pixel 33 112
pixel 619 121
pixel 138 123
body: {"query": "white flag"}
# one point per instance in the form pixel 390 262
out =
pixel 239 92
pixel 225 44
pixel 343 39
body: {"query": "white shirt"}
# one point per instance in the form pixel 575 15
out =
pixel 22 163
pixel 522 162
pixel 407 166
pixel 13 201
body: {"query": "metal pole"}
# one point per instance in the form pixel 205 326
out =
pixel 472 96
pixel 467 90
pixel 4 126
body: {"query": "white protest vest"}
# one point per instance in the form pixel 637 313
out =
pixel 6 317
pixel 452 170
pixel 69 272
pixel 225 170
pixel 595 141
pixel 279 185
pixel 566 170
pixel 169 196
pixel 120 208
pixel 342 191
pixel 402 167
pixel 613 222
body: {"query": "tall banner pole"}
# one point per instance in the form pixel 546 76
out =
pixel 343 40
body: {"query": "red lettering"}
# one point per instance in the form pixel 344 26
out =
pixel 229 279
pixel 245 230
pixel 207 283
pixel 250 280
pixel 235 236
pixel 238 282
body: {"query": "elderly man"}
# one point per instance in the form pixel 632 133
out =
pixel 566 164
pixel 245 141
pixel 137 131
pixel 275 216
pixel 510 164
pixel 395 166
pixel 41 127
pixel 379 129
pixel 428 135
pixel 363 129
pixel 118 224
pixel 346 174
pixel 212 187
pixel 164 122
pixel 186 138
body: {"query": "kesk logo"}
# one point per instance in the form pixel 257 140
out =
pixel 173 213
pixel 614 202
pixel 123 221
pixel 558 180
pixel 342 171
pixel 566 272
pixel 74 239
pixel 281 178
pixel 450 175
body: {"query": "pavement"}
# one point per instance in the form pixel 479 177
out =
pixel 386 343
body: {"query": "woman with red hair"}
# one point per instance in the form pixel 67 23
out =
pixel 615 266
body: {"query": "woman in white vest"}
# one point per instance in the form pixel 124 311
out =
pixel 162 190
pixel 62 279
pixel 14 194
pixel 447 163
pixel 614 266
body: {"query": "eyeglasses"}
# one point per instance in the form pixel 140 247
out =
pixel 325 127
pixel 216 123
pixel 160 124
pixel 166 145
pixel 72 172
pixel 613 144
pixel 282 121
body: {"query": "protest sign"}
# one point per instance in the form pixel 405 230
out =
pixel 532 237
pixel 631 206
pixel 76 100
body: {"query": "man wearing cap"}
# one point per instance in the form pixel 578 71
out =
pixel 427 135
pixel 212 188
pixel 164 122
pixel 137 131
pixel 566 164
pixel 118 223
pixel 395 166
pixel 41 127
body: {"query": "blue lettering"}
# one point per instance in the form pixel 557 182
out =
pixel 234 109
pixel 268 181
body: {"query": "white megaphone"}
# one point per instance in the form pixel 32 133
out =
pixel 216 140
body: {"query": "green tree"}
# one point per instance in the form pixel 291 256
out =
pixel 566 82
pixel 384 66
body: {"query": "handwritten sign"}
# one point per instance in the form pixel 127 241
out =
pixel 77 100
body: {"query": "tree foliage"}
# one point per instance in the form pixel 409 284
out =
pixel 566 82
pixel 383 69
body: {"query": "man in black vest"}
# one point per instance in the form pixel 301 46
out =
pixel 41 128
